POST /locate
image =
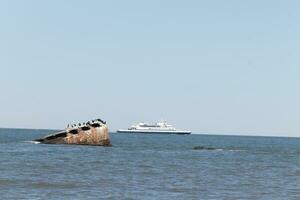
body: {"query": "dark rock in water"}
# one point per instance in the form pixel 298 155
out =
pixel 90 133
pixel 203 148
pixel 199 148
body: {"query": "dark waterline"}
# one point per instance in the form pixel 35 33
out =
pixel 140 166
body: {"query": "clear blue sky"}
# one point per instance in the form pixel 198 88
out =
pixel 209 66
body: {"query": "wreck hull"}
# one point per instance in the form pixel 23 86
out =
pixel 97 136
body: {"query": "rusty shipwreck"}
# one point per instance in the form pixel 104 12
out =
pixel 94 132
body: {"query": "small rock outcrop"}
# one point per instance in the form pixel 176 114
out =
pixel 94 132
pixel 203 148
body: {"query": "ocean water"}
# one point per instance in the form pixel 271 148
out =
pixel 142 166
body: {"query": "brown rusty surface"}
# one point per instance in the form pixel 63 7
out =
pixel 94 136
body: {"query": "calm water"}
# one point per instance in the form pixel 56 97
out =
pixel 150 167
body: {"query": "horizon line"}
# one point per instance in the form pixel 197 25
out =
pixel 193 133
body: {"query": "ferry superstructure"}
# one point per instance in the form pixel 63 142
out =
pixel 160 127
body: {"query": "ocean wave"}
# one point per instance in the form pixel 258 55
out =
pixel 204 148
pixel 33 142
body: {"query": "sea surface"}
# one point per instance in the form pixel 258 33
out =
pixel 141 166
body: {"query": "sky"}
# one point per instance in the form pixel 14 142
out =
pixel 214 67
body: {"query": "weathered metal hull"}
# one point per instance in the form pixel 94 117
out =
pixel 97 136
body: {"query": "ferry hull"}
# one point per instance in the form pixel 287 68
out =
pixel 154 132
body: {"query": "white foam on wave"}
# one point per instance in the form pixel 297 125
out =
pixel 236 150
pixel 33 142
pixel 230 150
pixel 226 150
pixel 219 149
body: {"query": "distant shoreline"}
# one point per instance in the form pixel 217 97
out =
pixel 36 129
pixel 220 134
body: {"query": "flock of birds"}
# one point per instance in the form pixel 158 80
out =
pixel 79 125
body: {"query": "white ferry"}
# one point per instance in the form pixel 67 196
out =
pixel 160 127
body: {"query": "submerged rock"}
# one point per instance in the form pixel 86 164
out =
pixel 203 148
pixel 90 133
